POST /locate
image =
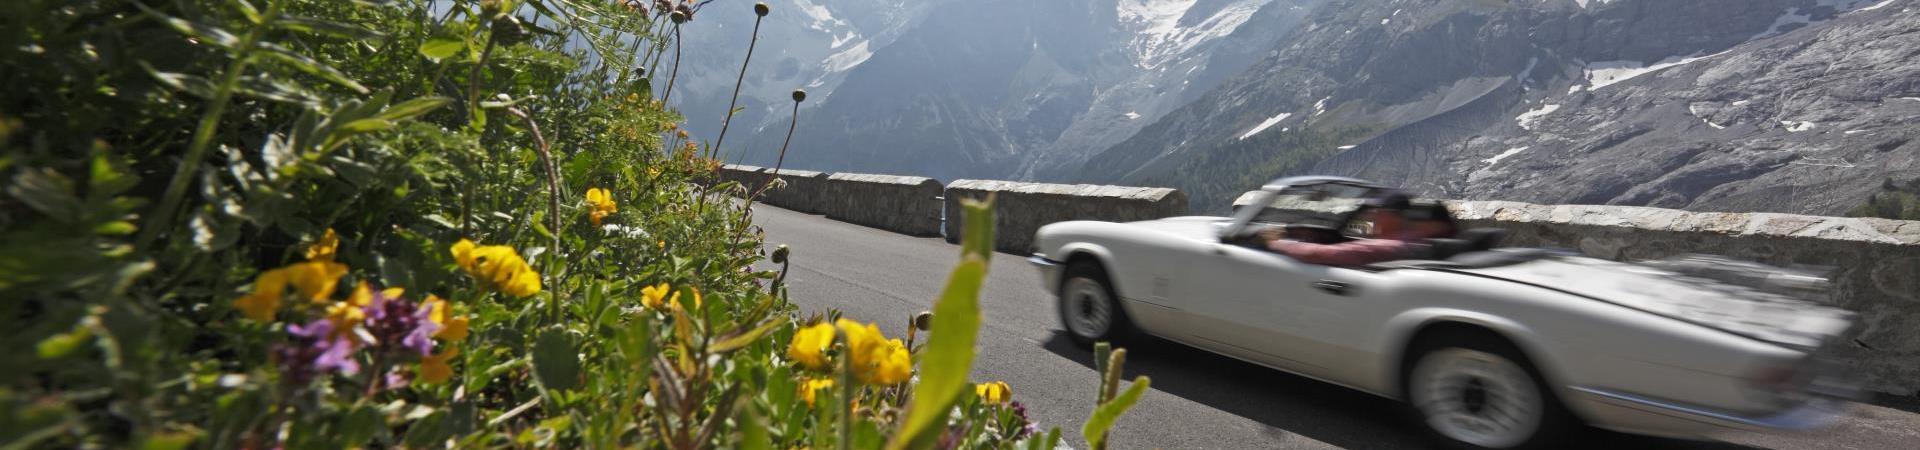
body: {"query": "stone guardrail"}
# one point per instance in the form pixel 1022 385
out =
pixel 1875 262
pixel 1021 208
pixel 907 205
pixel 801 193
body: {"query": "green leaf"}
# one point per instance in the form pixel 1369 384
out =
pixel 440 47
pixel 413 108
pixel 364 126
pixel 326 27
pixel 427 431
pixel 947 358
pixel 742 339
pixel 358 426
pixel 63 344
pixel 115 228
pixel 977 234
pixel 555 361
pixel 1103 417
pixel 311 66
pixel 47 191
pixel 179 440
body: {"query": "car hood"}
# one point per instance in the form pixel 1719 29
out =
pixel 1196 227
pixel 1741 310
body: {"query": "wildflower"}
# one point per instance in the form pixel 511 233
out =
pixel 809 346
pixel 600 204
pixel 683 134
pixel 876 359
pixel 325 249
pixel 399 325
pixel 811 386
pixel 434 368
pixel 452 328
pixel 995 392
pixel 314 350
pixel 345 314
pixel 497 266
pixel 265 299
pixel 655 296
pixel 315 280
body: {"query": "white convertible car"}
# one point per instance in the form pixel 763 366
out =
pixel 1491 347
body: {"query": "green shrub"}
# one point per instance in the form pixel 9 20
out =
pixel 328 224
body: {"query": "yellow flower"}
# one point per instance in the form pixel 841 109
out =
pixel 325 249
pixel 655 296
pixel 463 254
pixel 265 299
pixel 996 392
pixel 600 204
pixel 315 280
pixel 352 311
pixel 452 328
pixel 809 346
pixel 497 266
pixel 812 385
pixel 434 368
pixel 876 359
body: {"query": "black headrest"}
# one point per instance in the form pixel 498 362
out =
pixel 1443 248
pixel 1483 239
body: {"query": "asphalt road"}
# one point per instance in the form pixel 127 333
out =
pixel 1198 399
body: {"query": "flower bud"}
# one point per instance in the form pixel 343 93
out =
pixel 780 254
pixel 677 17
pixel 923 321
pixel 799 95
pixel 761 9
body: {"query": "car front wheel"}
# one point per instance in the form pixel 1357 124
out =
pixel 1483 395
pixel 1088 308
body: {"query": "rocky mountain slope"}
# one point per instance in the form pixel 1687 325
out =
pixel 1803 106
pixel 1015 88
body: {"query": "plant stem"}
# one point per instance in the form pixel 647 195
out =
pixel 846 403
pixel 675 74
pixel 473 79
pixel 735 102
pixel 553 205
pixel 203 133
pixel 782 160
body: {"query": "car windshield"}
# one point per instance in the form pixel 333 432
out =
pixel 1315 205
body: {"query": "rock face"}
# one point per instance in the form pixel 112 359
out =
pixel 1020 209
pixel 1798 106
pixel 1011 88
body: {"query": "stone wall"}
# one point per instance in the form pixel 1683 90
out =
pixel 907 205
pixel 801 192
pixel 1021 208
pixel 1875 263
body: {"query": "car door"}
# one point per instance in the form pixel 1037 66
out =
pixel 1271 308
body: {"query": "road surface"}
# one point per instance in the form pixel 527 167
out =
pixel 1198 400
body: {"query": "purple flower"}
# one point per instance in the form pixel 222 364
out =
pixel 398 324
pixel 315 350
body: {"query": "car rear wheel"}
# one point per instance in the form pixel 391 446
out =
pixel 1482 394
pixel 1088 307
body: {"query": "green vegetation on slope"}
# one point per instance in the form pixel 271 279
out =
pixel 1893 201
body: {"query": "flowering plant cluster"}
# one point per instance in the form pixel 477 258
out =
pixel 314 224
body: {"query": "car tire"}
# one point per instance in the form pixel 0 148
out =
pixel 1475 391
pixel 1089 308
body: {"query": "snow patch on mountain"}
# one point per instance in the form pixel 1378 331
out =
pixel 1606 73
pixel 1159 35
pixel 1503 155
pixel 823 19
pixel 1527 119
pixel 1271 121
pixel 848 58
pixel 1796 126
